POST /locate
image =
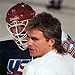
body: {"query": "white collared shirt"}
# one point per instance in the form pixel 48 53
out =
pixel 51 63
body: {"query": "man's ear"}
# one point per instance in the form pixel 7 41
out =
pixel 51 42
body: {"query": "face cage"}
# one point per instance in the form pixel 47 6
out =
pixel 20 41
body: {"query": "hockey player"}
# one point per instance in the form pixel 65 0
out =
pixel 55 4
pixel 15 57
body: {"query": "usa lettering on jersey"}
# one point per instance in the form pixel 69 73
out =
pixel 17 65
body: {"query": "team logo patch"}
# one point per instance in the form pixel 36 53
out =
pixel 17 65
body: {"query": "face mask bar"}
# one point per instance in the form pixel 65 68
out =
pixel 19 37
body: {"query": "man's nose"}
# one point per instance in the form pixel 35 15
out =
pixel 30 42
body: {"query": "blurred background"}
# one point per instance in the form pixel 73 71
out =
pixel 66 14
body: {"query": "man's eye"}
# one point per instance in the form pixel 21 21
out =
pixel 34 38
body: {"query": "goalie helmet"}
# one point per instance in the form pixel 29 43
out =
pixel 17 18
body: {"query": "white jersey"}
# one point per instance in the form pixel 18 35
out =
pixel 51 63
pixel 68 44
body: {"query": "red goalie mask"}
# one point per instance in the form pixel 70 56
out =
pixel 17 18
